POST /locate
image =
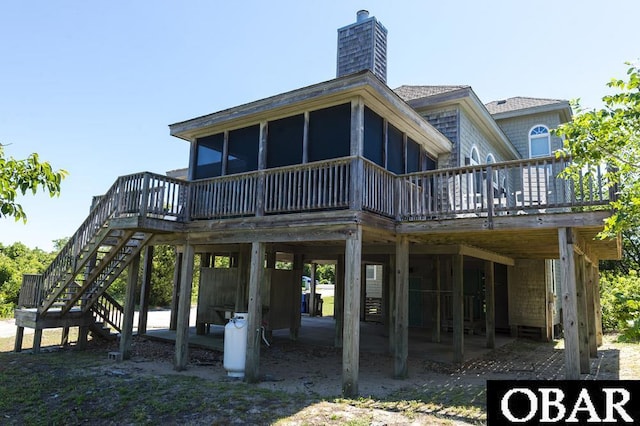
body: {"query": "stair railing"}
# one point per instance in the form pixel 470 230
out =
pixel 107 309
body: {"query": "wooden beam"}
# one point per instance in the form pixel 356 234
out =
pixel 597 303
pixel 312 293
pixel 490 303
pixel 296 319
pixel 351 326
pixel 126 334
pixel 184 309
pixel 338 307
pixel 489 256
pixel 356 150
pixel 458 308
pixel 569 305
pixel 145 290
pixel 391 303
pixel 17 347
pixel 401 329
pixel 437 311
pixel 241 286
pixel 256 274
pixel 583 319
pixel 175 296
pixel 591 310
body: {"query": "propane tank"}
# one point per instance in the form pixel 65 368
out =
pixel 235 345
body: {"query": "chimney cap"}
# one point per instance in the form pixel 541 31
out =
pixel 362 15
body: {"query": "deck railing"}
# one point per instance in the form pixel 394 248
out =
pixel 315 186
pixel 30 291
pixel 488 190
pixel 514 187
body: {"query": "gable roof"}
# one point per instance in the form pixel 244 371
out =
pixel 408 92
pixel 518 105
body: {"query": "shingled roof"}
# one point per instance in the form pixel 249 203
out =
pixel 408 93
pixel 518 103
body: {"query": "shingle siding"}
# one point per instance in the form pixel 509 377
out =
pixel 470 135
pixel 517 130
pixel 361 46
pixel 527 293
pixel 446 122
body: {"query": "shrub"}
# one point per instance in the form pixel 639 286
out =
pixel 620 300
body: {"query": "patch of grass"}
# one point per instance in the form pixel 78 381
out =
pixel 327 306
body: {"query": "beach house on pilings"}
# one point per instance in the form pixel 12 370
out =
pixel 456 210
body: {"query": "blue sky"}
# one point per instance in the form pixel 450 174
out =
pixel 92 86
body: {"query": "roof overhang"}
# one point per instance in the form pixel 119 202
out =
pixel 376 95
pixel 561 107
pixel 467 99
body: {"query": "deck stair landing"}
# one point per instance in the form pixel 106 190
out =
pixel 73 287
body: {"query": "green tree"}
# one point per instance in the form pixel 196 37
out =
pixel 611 135
pixel 19 176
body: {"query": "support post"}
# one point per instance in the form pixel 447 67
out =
pixel 351 332
pixel 392 302
pixel 312 293
pixel 64 341
pixel 569 304
pixel 583 320
pixel 126 335
pixel 401 329
pixel 490 303
pixel 177 271
pixel 437 311
pixel 184 309
pixel 145 290
pixel 597 303
pixel 37 340
pixel 298 267
pixel 83 336
pixel 17 346
pixel 338 307
pixel 591 311
pixel 241 287
pixel 458 308
pixel 256 275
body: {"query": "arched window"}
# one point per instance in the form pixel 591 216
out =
pixel 539 141
pixel 475 157
pixel 491 159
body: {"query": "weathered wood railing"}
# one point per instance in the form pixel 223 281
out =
pixel 30 291
pixel 108 310
pixel 140 194
pixel 314 186
pixel 485 190
pixel 513 187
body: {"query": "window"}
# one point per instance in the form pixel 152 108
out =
pixel 373 137
pixel 539 142
pixel 395 150
pixel 243 150
pixel 413 156
pixel 284 144
pixel 330 133
pixel 209 156
pixel 371 272
pixel 475 157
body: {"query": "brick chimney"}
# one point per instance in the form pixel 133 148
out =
pixel 363 45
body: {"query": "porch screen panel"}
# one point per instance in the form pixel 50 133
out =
pixel 413 156
pixel 209 156
pixel 395 151
pixel 243 150
pixel 330 133
pixel 284 143
pixel 373 137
